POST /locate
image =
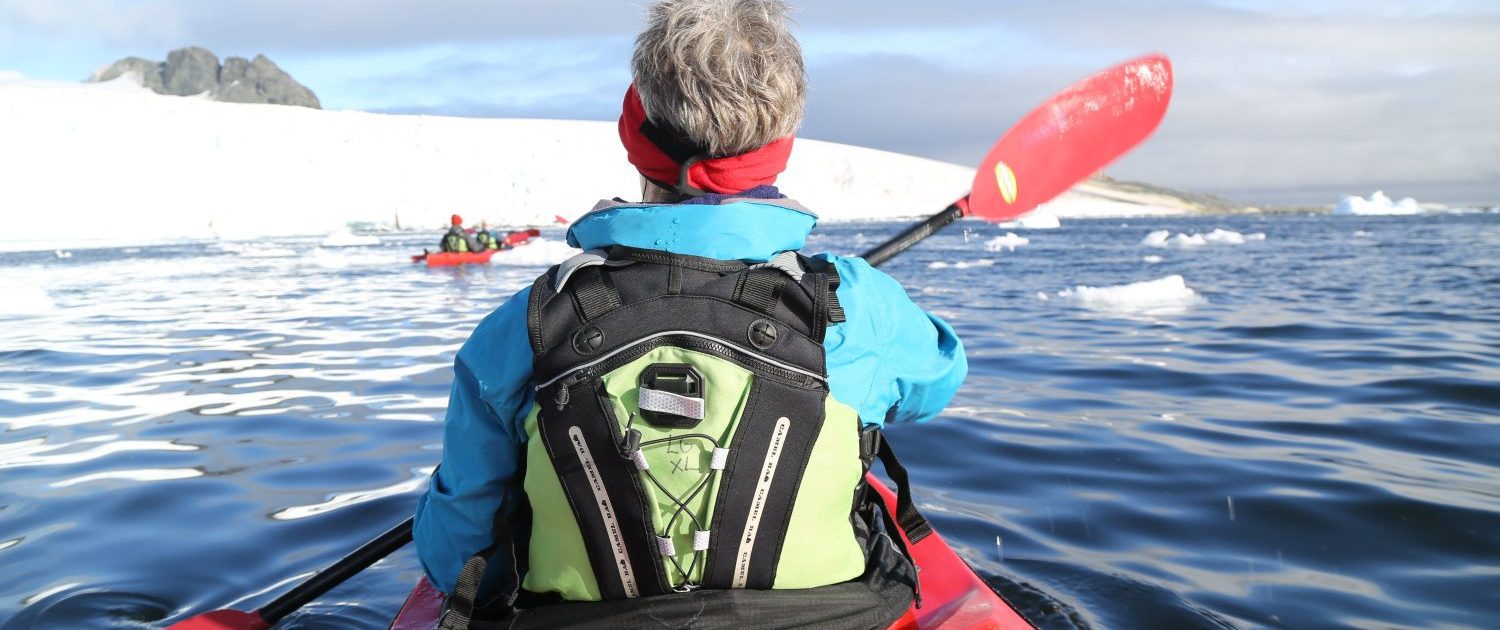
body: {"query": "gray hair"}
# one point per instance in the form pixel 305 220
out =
pixel 727 73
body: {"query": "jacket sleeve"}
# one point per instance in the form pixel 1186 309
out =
pixel 483 438
pixel 891 360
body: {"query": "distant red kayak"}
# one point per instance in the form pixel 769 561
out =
pixel 953 596
pixel 443 259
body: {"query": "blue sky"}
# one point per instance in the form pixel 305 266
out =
pixel 1278 101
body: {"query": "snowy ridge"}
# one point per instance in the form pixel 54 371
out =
pixel 117 164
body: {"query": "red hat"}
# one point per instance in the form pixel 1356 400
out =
pixel 664 156
pixel 457 220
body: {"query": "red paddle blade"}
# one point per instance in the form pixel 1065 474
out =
pixel 222 620
pixel 1071 136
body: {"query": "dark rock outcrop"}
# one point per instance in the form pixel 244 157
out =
pixel 147 71
pixel 191 71
pixel 260 81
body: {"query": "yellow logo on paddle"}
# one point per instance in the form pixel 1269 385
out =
pixel 1006 178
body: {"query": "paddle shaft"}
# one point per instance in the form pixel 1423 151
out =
pixel 369 554
pixel 913 235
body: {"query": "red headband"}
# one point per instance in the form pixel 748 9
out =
pixel 659 153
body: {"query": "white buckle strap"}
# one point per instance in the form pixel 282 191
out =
pixel 668 402
pixel 720 459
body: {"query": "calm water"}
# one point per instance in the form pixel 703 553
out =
pixel 1314 444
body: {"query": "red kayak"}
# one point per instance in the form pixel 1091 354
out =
pixel 443 259
pixel 953 596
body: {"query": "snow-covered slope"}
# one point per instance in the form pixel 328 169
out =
pixel 115 163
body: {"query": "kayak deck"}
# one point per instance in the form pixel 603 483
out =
pixel 953 596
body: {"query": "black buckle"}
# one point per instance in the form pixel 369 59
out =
pixel 674 378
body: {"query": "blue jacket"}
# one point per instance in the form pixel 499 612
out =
pixel 890 360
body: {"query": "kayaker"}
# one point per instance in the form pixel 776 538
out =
pixel 457 240
pixel 671 429
pixel 485 237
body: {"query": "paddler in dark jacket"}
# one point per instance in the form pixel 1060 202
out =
pixel 668 429
pixel 457 240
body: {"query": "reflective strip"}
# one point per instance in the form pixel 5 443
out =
pixel 607 510
pixel 668 402
pixel 640 460
pixel 665 546
pixel 686 333
pixel 700 540
pixel 758 503
pixel 721 458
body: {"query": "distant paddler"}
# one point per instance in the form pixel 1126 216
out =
pixel 459 241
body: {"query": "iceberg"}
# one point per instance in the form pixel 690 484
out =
pixel 1377 204
pixel 1153 297
pixel 1009 242
pixel 1220 236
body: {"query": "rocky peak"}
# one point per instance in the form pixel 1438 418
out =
pixel 193 70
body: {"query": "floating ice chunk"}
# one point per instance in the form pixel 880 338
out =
pixel 1225 237
pixel 1152 259
pixel 1033 221
pixel 349 239
pixel 1153 297
pixel 1361 234
pixel 1185 241
pixel 1378 203
pixel 983 262
pixel 540 252
pixel 1220 236
pixel 62 254
pixel 24 299
pixel 1009 242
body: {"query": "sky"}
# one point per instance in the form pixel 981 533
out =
pixel 1278 102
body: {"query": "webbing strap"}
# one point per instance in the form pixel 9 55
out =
pixel 785 262
pixel 593 295
pixel 911 521
pixel 668 402
pixel 759 289
pixel 565 270
pixel 459 609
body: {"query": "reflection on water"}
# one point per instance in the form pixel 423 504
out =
pixel 1308 441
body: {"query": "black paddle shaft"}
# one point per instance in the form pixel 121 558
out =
pixel 326 579
pixel 913 235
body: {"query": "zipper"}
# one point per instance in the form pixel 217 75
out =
pixel 565 391
pixel 683 339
